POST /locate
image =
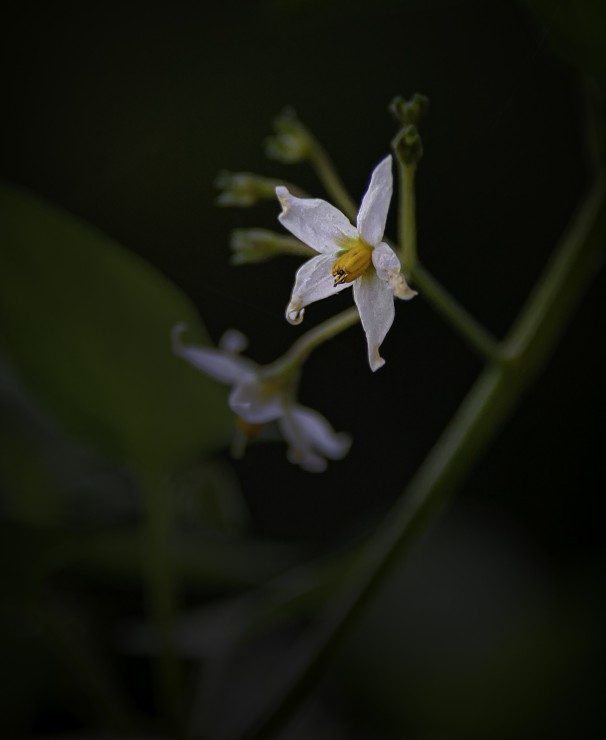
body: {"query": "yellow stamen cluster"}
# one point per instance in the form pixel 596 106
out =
pixel 352 263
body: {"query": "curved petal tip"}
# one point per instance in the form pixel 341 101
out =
pixel 374 358
pixel 284 197
pixel 295 311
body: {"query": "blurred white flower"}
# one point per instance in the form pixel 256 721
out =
pixel 348 255
pixel 258 399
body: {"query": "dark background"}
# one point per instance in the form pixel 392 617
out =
pixel 124 117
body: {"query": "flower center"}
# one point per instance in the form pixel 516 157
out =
pixel 352 262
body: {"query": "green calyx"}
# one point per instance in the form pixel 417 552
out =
pixel 408 146
pixel 409 112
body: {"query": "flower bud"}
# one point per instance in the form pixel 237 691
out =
pixel 244 188
pixel 259 245
pixel 292 142
pixel 408 145
pixel 409 112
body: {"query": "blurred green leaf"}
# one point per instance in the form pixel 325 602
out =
pixel 114 557
pixel 86 325
pixel 208 498
pixel 33 494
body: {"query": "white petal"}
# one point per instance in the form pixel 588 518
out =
pixel 233 341
pixel 307 460
pixel 309 433
pixel 222 366
pixel 256 401
pixel 374 299
pixel 388 269
pixel 313 282
pixel 375 204
pixel 315 222
pixel 319 433
pixel 385 259
pixel 299 449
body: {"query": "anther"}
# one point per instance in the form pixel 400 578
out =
pixel 349 266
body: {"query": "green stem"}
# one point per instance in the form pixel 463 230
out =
pixel 407 220
pixel 462 321
pixel 300 350
pixel 483 412
pixel 157 531
pixel 561 285
pixel 329 177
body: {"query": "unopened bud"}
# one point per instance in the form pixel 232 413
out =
pixel 244 188
pixel 292 142
pixel 409 112
pixel 259 245
pixel 408 145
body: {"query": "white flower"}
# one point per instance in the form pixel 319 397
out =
pixel 348 255
pixel 257 400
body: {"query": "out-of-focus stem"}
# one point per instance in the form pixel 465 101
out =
pixel 157 531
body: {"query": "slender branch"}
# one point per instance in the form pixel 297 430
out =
pixel 560 286
pixel 157 530
pixel 299 351
pixel 489 403
pixel 329 177
pixel 407 220
pixel 454 313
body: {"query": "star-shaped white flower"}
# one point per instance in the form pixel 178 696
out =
pixel 348 255
pixel 257 400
